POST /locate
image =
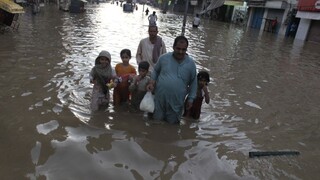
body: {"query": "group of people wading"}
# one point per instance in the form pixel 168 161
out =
pixel 171 76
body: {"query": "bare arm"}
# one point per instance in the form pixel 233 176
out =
pixel 163 48
pixel 139 53
pixel 151 85
pixel 206 94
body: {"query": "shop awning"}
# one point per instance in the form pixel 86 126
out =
pixel 308 15
pixel 233 3
pixel 11 7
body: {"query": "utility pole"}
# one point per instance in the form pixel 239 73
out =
pixel 185 18
pixel 144 2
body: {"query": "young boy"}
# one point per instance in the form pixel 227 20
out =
pixel 138 85
pixel 202 93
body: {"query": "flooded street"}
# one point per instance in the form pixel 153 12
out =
pixel 264 91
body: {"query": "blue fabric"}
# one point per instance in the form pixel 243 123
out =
pixel 173 83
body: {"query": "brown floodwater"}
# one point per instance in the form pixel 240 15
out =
pixel 264 91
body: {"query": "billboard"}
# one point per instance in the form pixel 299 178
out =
pixel 309 5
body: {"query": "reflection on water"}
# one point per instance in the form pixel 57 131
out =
pixel 264 91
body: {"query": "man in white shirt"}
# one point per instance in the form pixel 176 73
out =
pixel 153 19
pixel 151 48
pixel 196 21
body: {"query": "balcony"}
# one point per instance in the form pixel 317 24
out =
pixel 256 3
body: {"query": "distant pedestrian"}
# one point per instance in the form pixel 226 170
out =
pixel 153 19
pixel 125 71
pixel 293 30
pixel 274 24
pixel 101 74
pixel 196 21
pixel 147 11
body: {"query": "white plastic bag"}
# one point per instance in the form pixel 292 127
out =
pixel 147 103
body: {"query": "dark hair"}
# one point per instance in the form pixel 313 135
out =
pixel 203 75
pixel 180 39
pixel 125 51
pixel 144 65
pixel 153 26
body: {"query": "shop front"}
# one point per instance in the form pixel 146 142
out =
pixel 9 13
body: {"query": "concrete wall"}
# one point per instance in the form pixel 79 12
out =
pixel 303 29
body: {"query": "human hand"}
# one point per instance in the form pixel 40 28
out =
pixel 111 84
pixel 205 89
pixel 138 78
pixel 150 87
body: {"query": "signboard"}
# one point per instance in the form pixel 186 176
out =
pixel 317 5
pixel 309 5
pixel 11 7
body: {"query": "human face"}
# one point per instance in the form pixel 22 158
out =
pixel 179 50
pixel 125 59
pixel 104 61
pixel 153 31
pixel 202 82
pixel 143 72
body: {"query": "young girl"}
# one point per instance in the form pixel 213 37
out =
pixel 139 84
pixel 125 72
pixel 202 93
pixel 100 75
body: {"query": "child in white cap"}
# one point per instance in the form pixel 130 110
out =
pixel 101 74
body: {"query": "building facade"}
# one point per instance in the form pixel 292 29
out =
pixel 309 14
pixel 299 19
pixel 263 13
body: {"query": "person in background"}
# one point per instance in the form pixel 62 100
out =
pixel 196 21
pixel 138 86
pixel 153 19
pixel 101 74
pixel 125 72
pixel 274 24
pixel 151 48
pixel 293 29
pixel 147 11
pixel 202 93
pixel 173 80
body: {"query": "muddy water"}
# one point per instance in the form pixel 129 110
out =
pixel 264 91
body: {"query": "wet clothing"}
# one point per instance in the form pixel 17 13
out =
pixel 146 52
pixel 274 25
pixel 121 91
pixel 152 19
pixel 173 81
pixel 196 22
pixel 138 90
pixel 195 110
pixel 100 93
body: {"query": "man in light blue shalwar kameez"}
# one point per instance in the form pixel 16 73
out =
pixel 174 77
